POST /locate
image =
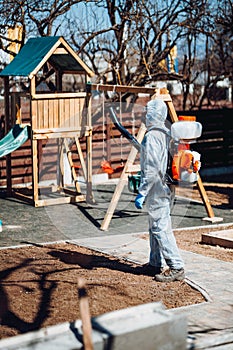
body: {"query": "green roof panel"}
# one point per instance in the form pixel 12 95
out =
pixel 29 56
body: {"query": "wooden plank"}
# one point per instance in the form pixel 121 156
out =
pixel 7 129
pixel 45 116
pixel 81 158
pixel 13 109
pixel 61 113
pixel 59 132
pixel 58 95
pixel 39 114
pixel 222 238
pixel 82 114
pixel 205 198
pixel 61 200
pixel 88 106
pixel 22 197
pixel 67 114
pixel 33 85
pixel 90 197
pixel 55 114
pixel 20 94
pixel 50 123
pixel 73 121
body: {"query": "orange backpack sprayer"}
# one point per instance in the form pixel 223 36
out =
pixel 185 162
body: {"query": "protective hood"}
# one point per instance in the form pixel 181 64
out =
pixel 156 113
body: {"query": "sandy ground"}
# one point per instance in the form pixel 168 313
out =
pixel 39 284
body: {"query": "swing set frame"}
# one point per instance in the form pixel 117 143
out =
pixel 130 167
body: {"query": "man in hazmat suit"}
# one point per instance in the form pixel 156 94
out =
pixel 164 257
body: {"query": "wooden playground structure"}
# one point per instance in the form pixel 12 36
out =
pixel 56 114
pixel 64 115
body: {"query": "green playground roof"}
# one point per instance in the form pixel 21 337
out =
pixel 37 51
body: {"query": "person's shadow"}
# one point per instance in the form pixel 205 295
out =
pixel 93 261
pixel 8 317
pixel 79 260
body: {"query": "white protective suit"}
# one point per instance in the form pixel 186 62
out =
pixel 153 158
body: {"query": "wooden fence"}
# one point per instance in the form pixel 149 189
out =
pixel 215 146
pixel 216 142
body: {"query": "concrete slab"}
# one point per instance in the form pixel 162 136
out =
pixel 59 337
pixel 147 325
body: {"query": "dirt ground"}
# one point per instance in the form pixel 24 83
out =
pixel 39 284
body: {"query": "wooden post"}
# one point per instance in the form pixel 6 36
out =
pixel 7 129
pixel 85 315
pixel 35 171
pixel 206 201
pixel 89 196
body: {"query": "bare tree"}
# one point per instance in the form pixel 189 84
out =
pixel 207 59
pixel 133 44
pixel 223 41
pixel 129 41
pixel 30 17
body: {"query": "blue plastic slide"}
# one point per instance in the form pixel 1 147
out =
pixel 13 140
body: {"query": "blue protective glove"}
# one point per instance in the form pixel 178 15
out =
pixel 139 200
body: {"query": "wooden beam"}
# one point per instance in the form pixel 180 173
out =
pixel 53 133
pixel 90 197
pixel 124 88
pixel 35 170
pixel 81 158
pixel 60 200
pixel 33 86
pixel 57 95
pixel 22 197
